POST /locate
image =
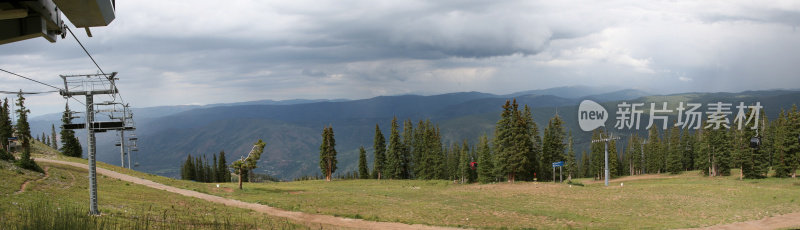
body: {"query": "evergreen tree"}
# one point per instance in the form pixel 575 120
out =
pixel 242 166
pixel 379 161
pixel 213 170
pixel 653 157
pixel 688 140
pixel 406 158
pixel 187 170
pixel 6 127
pixel 675 153
pixel 453 159
pixel 70 146
pixel 613 163
pixel 327 153
pixel 200 172
pixel 53 138
pixel 572 167
pixel 394 153
pixel 533 145
pixel 756 163
pixel 552 145
pixel 222 168
pixel 586 165
pixel 363 172
pixel 792 144
pixel 24 132
pixel 485 164
pixel 463 163
pixel 512 142
pixel 782 158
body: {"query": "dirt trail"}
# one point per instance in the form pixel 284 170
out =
pixel 312 220
pixel 25 185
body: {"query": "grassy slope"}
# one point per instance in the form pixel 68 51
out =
pixel 68 187
pixel 686 200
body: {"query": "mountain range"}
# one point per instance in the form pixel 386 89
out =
pixel 292 129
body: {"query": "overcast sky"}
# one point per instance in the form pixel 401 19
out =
pixel 203 52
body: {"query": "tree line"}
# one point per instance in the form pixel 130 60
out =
pixel 200 169
pixel 519 151
pixel 774 145
pixel 21 131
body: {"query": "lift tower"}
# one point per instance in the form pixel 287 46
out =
pixel 90 85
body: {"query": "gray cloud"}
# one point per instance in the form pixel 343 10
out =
pixel 250 50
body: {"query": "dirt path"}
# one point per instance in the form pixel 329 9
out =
pixel 312 220
pixel 630 178
pixel 25 185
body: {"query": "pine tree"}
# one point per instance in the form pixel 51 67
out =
pixel 533 146
pixel 6 128
pixel 187 170
pixel 653 151
pixel 613 163
pixel 363 172
pixel 485 164
pixel 586 165
pixel 512 142
pixel 463 163
pixel 53 138
pixel 552 145
pixel 394 153
pixel 242 166
pixel 70 146
pixel 222 168
pixel 200 173
pixel 688 150
pixel 406 158
pixel 674 152
pixel 782 158
pixel 792 143
pixel 24 132
pixel 214 170
pixel 571 165
pixel 453 157
pixel 327 153
pixel 379 160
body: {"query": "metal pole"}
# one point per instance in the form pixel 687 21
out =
pixel 129 157
pixel 560 177
pixel 606 141
pixel 122 148
pixel 93 210
pixel 554 174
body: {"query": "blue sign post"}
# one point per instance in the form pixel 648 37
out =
pixel 559 164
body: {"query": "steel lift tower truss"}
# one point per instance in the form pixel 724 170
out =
pixel 89 85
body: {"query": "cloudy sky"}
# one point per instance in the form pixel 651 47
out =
pixel 202 52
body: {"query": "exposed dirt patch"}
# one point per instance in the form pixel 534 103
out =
pixel 296 192
pixel 25 185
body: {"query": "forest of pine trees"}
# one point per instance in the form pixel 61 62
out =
pixel 518 151
pixel 200 169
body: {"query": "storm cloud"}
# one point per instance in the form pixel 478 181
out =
pixel 203 52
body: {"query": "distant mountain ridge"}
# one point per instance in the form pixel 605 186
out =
pixel 292 128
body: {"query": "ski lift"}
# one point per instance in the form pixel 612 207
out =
pixel 755 142
pixel 473 165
